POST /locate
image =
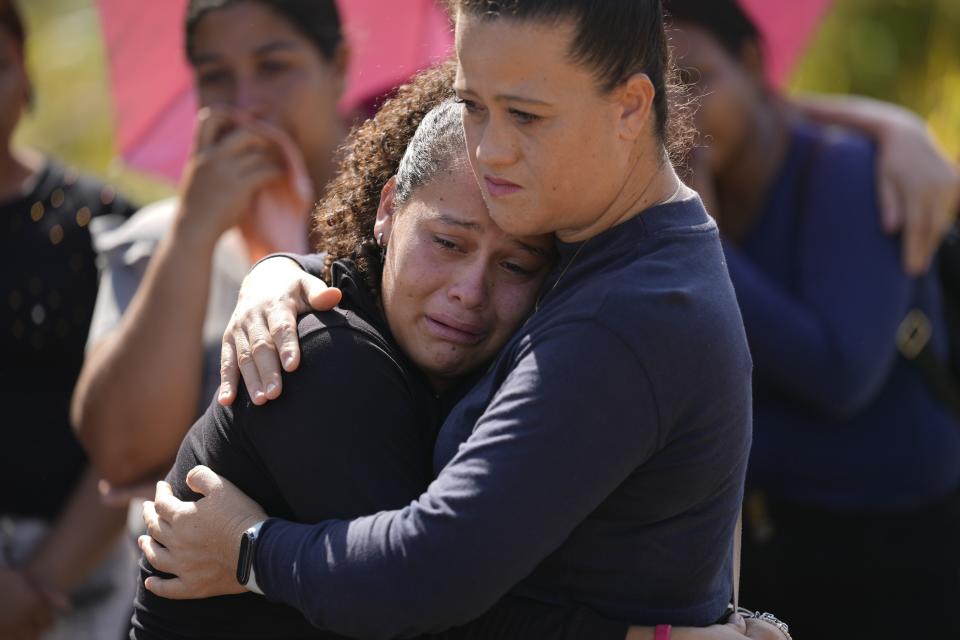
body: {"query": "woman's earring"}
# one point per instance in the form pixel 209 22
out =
pixel 383 248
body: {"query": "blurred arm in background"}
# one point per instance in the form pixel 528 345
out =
pixel 131 417
pixel 919 187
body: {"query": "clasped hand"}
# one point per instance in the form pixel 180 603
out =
pixel 197 542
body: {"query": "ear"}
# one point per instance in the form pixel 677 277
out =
pixel 635 97
pixel 24 78
pixel 341 59
pixel 751 57
pixel 385 211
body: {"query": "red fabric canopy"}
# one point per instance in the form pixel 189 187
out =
pixel 786 26
pixel 151 86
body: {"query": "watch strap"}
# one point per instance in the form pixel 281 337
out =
pixel 248 545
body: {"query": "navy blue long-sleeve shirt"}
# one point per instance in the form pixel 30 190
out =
pixel 600 461
pixel 841 420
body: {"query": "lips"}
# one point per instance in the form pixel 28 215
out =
pixel 453 330
pixel 498 187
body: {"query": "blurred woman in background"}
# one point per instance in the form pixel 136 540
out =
pixel 855 467
pixel 268 74
pixel 62 573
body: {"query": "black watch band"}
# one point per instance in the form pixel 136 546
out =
pixel 248 546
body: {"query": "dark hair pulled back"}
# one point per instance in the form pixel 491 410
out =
pixel 317 20
pixel 725 20
pixel 615 39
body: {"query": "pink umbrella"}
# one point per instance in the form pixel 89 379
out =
pixel 787 26
pixel 151 87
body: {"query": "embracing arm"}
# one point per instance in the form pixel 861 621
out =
pixel 830 343
pixel 539 461
pixel 919 187
pixel 261 339
pixel 131 417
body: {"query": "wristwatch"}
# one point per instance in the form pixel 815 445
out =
pixel 248 546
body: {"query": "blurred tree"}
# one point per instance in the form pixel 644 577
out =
pixel 72 118
pixel 904 51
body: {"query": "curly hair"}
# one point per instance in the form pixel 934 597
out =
pixel 343 220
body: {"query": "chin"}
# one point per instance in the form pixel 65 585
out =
pixel 515 221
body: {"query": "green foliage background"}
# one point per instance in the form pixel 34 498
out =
pixel 905 51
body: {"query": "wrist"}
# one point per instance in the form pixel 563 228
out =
pixel 246 552
pixel 892 121
pixel 198 234
pixel 41 592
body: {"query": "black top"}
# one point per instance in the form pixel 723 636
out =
pixel 47 294
pixel 353 433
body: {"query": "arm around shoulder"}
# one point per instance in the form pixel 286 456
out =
pixel 547 451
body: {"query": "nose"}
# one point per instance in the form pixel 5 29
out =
pixel 249 98
pixel 470 286
pixel 495 147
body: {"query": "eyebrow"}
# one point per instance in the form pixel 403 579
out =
pixel 270 47
pixel 276 45
pixel 513 98
pixel 473 226
pixel 508 97
pixel 457 222
pixel 529 248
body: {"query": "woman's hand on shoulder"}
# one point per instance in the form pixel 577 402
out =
pixel 919 189
pixel 919 186
pixel 261 337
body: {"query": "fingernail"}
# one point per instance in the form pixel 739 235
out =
pixel 271 388
pixel 288 360
pixel 258 395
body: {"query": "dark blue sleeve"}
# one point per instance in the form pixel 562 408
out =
pixel 831 343
pixel 551 446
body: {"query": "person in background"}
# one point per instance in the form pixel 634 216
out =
pixel 63 573
pixel 268 74
pixel 854 477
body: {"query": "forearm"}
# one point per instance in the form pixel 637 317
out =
pixel 81 537
pixel 486 522
pixel 139 389
pixel 832 350
pixel 867 115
